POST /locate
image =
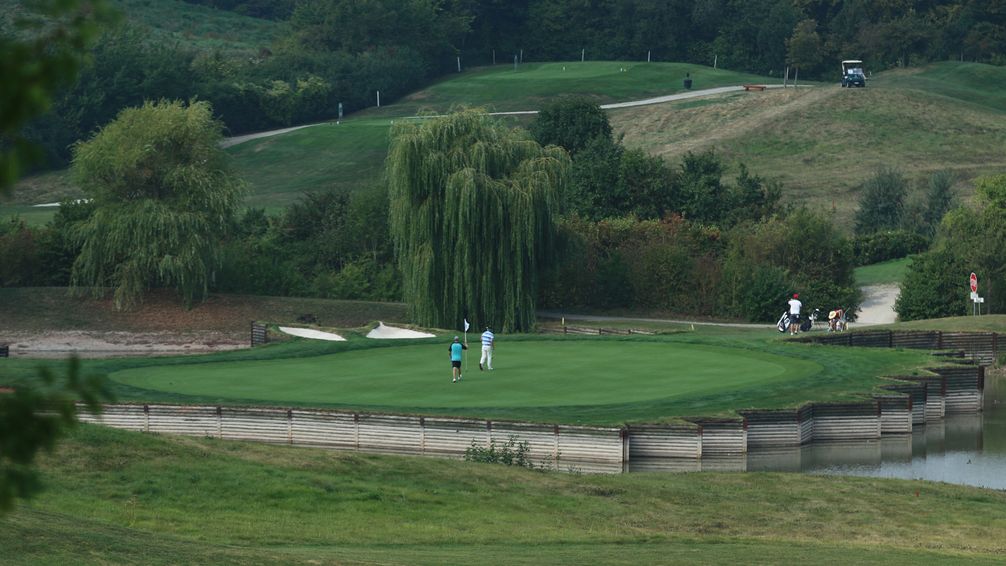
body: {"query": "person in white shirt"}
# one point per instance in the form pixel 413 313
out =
pixel 488 344
pixel 794 314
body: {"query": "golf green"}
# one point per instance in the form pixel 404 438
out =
pixel 526 374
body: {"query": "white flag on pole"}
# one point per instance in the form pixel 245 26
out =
pixel 466 325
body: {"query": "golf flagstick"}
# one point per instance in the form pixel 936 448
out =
pixel 466 343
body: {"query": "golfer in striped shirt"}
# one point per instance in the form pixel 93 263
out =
pixel 488 343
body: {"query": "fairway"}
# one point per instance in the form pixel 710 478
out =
pixel 527 374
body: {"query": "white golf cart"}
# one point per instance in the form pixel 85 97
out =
pixel 852 73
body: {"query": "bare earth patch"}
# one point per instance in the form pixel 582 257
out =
pixel 56 343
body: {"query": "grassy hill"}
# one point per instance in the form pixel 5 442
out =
pixel 351 155
pixel 823 142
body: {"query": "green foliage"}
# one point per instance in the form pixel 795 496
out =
pixel 42 53
pixel 969 239
pixel 703 197
pixel 934 287
pixel 668 265
pixel 890 244
pixel 816 260
pixel 471 218
pixel 570 123
pixel 804 48
pixel 509 453
pixel 939 199
pixel 882 202
pixel 33 418
pixel 163 195
pixel 19 263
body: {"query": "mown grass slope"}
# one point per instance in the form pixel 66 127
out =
pixel 350 155
pixel 122 497
pixel 823 142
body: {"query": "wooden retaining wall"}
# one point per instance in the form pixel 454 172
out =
pixel 780 427
pixel 910 401
pixel 721 437
pixel 982 347
pixel 846 421
pixel 964 388
pixel 394 434
pixel 664 441
pixel 895 413
pixel 916 392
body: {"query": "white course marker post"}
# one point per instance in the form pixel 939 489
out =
pixel 583 54
pixel 378 99
pixel 647 56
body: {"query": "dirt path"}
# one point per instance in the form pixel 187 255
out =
pixel 878 304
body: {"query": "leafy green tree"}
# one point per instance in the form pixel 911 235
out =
pixel 882 203
pixel 472 205
pixel 930 289
pixel 163 194
pixel 804 48
pixel 571 123
pixel 34 416
pixel 42 53
pixel 939 199
pixel 969 239
pixel 701 193
pixel 815 258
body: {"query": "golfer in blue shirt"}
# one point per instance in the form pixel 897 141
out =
pixel 455 349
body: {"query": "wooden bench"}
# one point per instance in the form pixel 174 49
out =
pixel 750 88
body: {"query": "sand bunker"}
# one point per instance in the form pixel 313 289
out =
pixel 383 332
pixel 310 333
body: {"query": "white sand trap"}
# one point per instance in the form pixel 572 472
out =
pixel 383 332
pixel 310 333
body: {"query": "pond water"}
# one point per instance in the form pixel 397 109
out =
pixel 962 449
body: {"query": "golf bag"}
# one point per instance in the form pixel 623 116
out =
pixel 783 323
pixel 806 324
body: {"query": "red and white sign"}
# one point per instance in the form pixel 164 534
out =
pixel 974 282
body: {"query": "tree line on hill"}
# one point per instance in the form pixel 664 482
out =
pixel 626 230
pixel 344 51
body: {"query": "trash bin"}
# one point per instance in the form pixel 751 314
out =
pixel 688 82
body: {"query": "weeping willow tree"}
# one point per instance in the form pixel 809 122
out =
pixel 471 215
pixel 162 193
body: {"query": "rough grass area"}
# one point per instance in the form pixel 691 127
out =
pixel 40 309
pixel 201 27
pixel 823 142
pixel 984 323
pixel 123 497
pixel 888 272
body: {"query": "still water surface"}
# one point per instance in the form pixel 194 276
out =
pixel 962 449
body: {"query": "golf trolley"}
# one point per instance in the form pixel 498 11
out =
pixel 806 324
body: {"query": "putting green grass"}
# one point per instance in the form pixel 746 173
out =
pixel 527 374
pixel 544 379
